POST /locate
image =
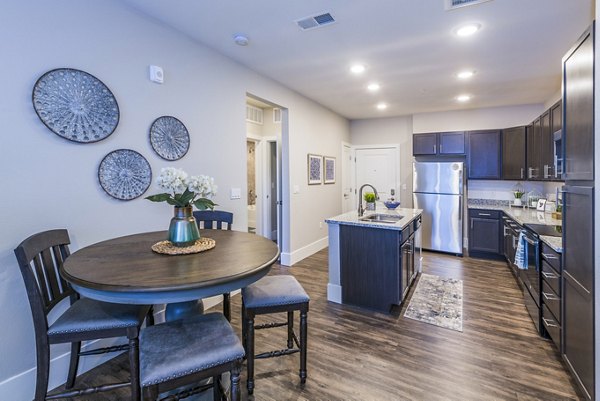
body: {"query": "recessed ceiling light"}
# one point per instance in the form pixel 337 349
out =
pixel 373 87
pixel 463 98
pixel 241 40
pixel 467 30
pixel 358 68
pixel 465 74
pixel 382 106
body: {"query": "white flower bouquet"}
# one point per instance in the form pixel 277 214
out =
pixel 183 190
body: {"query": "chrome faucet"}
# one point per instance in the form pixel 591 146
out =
pixel 361 210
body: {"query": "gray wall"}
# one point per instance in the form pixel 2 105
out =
pixel 49 182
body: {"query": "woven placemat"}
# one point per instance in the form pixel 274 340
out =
pixel 167 247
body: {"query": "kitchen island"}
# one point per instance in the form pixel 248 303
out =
pixel 372 258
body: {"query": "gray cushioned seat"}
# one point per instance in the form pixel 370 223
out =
pixel 274 291
pixel 87 315
pixel 182 347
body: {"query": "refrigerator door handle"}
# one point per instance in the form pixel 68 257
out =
pixel 460 209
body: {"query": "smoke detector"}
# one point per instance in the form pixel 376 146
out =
pixel 241 40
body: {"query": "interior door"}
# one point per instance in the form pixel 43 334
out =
pixel 348 198
pixel 378 167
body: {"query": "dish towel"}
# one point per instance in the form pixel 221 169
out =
pixel 521 254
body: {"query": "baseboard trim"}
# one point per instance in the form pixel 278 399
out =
pixel 289 259
pixel 334 293
pixel 22 385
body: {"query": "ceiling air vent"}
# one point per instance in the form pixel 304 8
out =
pixel 454 4
pixel 315 21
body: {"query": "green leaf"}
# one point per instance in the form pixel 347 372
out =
pixel 173 202
pixel 204 203
pixel 187 197
pixel 159 197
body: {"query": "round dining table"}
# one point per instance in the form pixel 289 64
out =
pixel 126 270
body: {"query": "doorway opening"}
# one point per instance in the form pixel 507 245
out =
pixel 265 125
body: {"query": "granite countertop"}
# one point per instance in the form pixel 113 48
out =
pixel 522 216
pixel 351 218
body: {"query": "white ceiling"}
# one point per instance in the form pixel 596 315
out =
pixel 408 46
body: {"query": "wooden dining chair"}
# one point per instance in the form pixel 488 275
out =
pixel 219 220
pixel 40 258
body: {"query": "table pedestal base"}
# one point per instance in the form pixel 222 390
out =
pixel 181 310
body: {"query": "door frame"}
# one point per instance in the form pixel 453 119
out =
pixel 349 168
pixel 259 178
pixel 396 148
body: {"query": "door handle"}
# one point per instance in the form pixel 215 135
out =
pixel 434 148
pixel 549 256
pixel 521 172
pixel 547 322
pixel 548 275
pixel 550 297
pixel 483 214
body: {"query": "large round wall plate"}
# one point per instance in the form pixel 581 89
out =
pixel 75 105
pixel 124 174
pixel 169 138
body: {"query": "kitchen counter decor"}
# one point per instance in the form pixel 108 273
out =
pixel 75 105
pixel 184 192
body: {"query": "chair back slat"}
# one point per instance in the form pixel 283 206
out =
pixel 210 219
pixel 40 258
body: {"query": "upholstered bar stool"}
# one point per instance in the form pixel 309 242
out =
pixel 184 352
pixel 274 294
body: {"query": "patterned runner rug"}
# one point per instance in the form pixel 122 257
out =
pixel 438 301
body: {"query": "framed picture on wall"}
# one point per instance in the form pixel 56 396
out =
pixel 315 169
pixel 541 204
pixel 329 169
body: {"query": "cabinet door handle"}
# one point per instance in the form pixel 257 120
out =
pixel 521 172
pixel 483 214
pixel 550 297
pixel 440 148
pixel 549 323
pixel 548 275
pixel 434 148
pixel 505 233
pixel 546 171
pixel 471 224
pixel 549 256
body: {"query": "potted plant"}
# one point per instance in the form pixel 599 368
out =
pixel 518 193
pixel 184 192
pixel 370 198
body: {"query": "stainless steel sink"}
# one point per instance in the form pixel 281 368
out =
pixel 382 218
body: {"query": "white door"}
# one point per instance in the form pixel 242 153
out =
pixel 348 202
pixel 380 168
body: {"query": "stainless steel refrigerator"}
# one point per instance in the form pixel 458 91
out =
pixel 438 190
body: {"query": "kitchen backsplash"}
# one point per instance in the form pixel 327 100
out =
pixel 503 190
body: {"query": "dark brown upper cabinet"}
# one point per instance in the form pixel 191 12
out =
pixel 484 156
pixel 556 129
pixel 547 147
pixel 514 153
pixel 439 143
pixel 534 142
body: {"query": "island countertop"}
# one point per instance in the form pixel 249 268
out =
pixel 351 218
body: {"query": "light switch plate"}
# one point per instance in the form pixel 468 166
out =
pixel 236 193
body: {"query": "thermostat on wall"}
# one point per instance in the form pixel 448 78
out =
pixel 156 74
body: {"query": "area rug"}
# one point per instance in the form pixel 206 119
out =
pixel 437 300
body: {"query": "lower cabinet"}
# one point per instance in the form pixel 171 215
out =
pixel 376 265
pixel 485 232
pixel 551 271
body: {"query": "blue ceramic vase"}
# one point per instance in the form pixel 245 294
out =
pixel 183 230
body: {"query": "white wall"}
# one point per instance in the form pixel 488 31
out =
pixel 49 182
pixel 476 119
pixel 389 131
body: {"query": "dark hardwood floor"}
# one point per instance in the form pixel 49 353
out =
pixel 360 355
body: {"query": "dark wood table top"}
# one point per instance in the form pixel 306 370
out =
pixel 126 270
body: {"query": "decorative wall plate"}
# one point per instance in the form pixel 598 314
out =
pixel 169 138
pixel 124 174
pixel 75 105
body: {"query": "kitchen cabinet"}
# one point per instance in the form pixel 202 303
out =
pixel 484 158
pixel 376 265
pixel 578 213
pixel 534 142
pixel 514 153
pixel 485 232
pixel 556 129
pixel 439 144
pixel 552 315
pixel 546 148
